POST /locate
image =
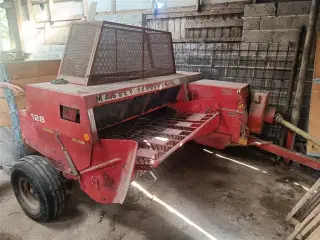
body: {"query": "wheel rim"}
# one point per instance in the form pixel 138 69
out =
pixel 29 196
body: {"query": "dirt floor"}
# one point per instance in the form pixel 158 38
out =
pixel 234 194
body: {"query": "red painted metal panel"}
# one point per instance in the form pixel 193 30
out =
pixel 107 179
pixel 44 141
pixel 286 153
pixel 231 100
pixel 215 140
pixel 228 95
pixel 46 105
pixel 257 110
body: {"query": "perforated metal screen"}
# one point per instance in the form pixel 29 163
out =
pixel 105 52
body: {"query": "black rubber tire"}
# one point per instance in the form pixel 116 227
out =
pixel 47 183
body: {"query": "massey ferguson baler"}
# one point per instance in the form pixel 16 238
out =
pixel 119 109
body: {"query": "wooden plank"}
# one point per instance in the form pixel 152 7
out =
pixel 181 9
pixel 182 28
pixel 164 25
pixel 214 23
pixel 304 223
pixel 315 234
pixel 314 113
pixel 22 82
pixel 92 11
pixel 113 6
pixel 5 119
pixel 311 227
pixel 313 190
pixel 218 33
pixel 221 11
pixel 211 33
pixel 51 7
pixel 226 32
pixel 208 40
pixel 15 25
pixel 29 8
pixel 20 101
pixel 85 6
pixel 196 34
pixel 294 221
pixel 198 5
pixel 158 25
pixel 30 69
pixel 171 26
pixel 177 28
pixel 20 97
pixel 203 33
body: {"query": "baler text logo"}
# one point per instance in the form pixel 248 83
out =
pixel 133 91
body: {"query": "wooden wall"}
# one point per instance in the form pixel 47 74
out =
pixel 223 22
pixel 314 114
pixel 22 74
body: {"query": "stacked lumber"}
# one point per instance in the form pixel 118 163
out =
pixel 305 216
pixel 22 74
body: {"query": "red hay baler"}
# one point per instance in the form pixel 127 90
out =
pixel 119 109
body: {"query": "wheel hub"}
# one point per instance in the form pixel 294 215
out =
pixel 29 196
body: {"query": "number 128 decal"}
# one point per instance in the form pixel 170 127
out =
pixel 38 118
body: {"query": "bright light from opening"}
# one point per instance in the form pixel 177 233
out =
pixel 28 33
pixel 235 161
pixel 298 184
pixel 159 4
pixel 171 209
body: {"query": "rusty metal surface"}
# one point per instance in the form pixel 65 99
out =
pixel 106 52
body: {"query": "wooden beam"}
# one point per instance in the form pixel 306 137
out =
pixel 18 16
pixel 85 6
pixel 113 6
pixel 207 40
pixel 214 23
pixel 153 3
pixel 51 7
pixel 46 1
pixel 222 11
pixel 78 17
pixel 313 190
pixel 67 0
pixel 14 34
pixel 315 234
pixel 39 2
pixel 198 5
pixel 92 11
pixel 29 7
pixel 314 215
pixel 311 227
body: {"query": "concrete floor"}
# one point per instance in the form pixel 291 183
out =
pixel 207 196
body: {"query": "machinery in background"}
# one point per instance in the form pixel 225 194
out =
pixel 119 109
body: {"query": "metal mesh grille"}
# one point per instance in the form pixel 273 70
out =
pixel 123 52
pixel 265 66
pixel 78 50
